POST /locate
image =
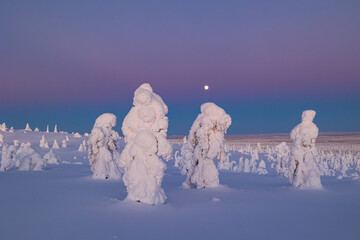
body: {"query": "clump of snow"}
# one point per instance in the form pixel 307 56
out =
pixel 51 158
pixel 86 135
pixel 282 154
pixel 43 142
pixel 303 170
pixel 82 146
pixel 11 129
pixel 145 128
pixel 8 157
pixel 204 143
pixel 77 135
pixel 55 145
pixel 27 128
pixel 67 138
pixel 103 148
pixel 28 159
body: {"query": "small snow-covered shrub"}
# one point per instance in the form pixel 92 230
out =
pixel 55 145
pixel 204 143
pixel 3 127
pixel 51 158
pixel 28 159
pixel 144 129
pixel 303 169
pixel 43 142
pixel 103 149
pixel 261 169
pixel 82 147
pixel 63 143
pixel 77 135
pixel 282 153
pixel 8 157
pixel 27 128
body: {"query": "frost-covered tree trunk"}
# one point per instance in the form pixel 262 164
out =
pixel 303 169
pixel 145 129
pixel 103 148
pixel 204 143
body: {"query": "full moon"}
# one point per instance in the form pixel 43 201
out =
pixel 206 87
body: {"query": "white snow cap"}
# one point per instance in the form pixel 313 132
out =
pixel 303 164
pixel 144 129
pixel 204 143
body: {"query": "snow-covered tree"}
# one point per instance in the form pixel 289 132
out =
pixel 261 169
pixel 145 128
pixel 77 135
pixel 63 143
pixel 82 147
pixel 12 130
pixel 47 128
pixel 282 153
pixel 55 145
pixel 55 129
pixel 103 148
pixel 1 140
pixel 27 128
pixel 43 142
pixel 28 159
pixel 303 169
pixel 8 157
pixel 204 143
pixel 36 129
pixel 51 158
pixel 3 127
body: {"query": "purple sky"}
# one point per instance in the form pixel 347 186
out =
pixel 67 52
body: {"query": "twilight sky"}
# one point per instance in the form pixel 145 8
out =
pixel 67 62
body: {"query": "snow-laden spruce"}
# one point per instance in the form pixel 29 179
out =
pixel 1 140
pixel 204 143
pixel 145 130
pixel 303 169
pixel 103 148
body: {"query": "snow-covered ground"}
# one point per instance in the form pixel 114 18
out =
pixel 65 202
